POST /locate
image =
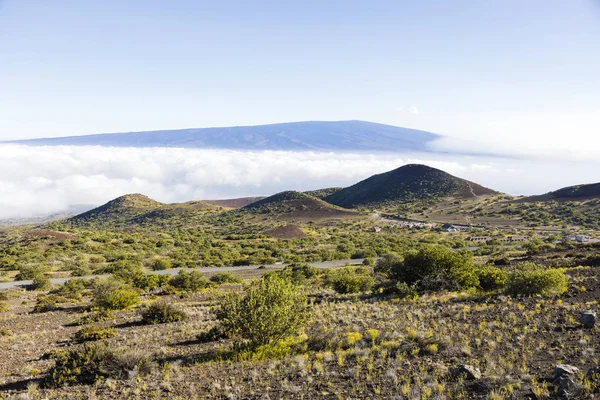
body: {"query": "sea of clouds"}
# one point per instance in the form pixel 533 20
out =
pixel 39 180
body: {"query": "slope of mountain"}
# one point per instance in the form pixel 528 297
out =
pixel 407 183
pixel 292 204
pixel 234 203
pixel 313 135
pixel 117 211
pixel 577 192
pixel 322 193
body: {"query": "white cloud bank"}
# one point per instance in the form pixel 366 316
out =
pixel 43 180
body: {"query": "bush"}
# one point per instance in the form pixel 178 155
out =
pixel 3 306
pixel 350 280
pixel 92 333
pixel 45 304
pixel 40 282
pixel 491 278
pixel 161 312
pixel 405 291
pixel 387 263
pixel 189 281
pixel 269 310
pixel 147 282
pixel 91 362
pixel 112 294
pixel 299 274
pixel 159 264
pixel 436 268
pixel 529 279
pixel 72 288
pixel 225 277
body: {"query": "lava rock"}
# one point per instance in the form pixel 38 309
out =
pixel 469 372
pixel 565 370
pixel 588 319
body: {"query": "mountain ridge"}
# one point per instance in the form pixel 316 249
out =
pixel 353 135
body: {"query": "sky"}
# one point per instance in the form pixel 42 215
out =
pixel 519 78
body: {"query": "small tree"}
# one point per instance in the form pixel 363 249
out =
pixel 269 310
pixel 434 267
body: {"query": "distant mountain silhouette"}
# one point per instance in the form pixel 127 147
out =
pixel 297 136
pixel 576 192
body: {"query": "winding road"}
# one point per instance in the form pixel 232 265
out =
pixel 324 264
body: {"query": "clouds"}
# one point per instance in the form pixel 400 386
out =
pixel 42 180
pixel 413 110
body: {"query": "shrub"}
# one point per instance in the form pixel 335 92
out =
pixel 159 264
pixel 387 263
pixel 404 291
pixel 93 361
pixel 112 294
pixel 3 306
pixel 491 278
pixel 269 310
pixel 225 277
pixel 147 282
pixel 92 333
pixel 27 272
pixel 436 268
pixel 529 279
pixel 40 282
pixel 161 312
pixel 368 261
pixel 349 280
pixel 72 288
pixel 189 281
pixel 299 274
pixel 45 304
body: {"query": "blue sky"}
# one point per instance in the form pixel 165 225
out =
pixel 507 73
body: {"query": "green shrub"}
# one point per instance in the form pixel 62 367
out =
pixel 45 304
pixel 189 281
pixel 161 312
pixel 349 280
pixel 529 279
pixel 112 294
pixel 28 272
pixel 404 291
pixel 92 333
pixel 159 264
pixel 40 282
pixel 491 278
pixel 3 306
pixel 3 296
pixel 93 361
pixel 269 310
pixel 72 288
pixel 225 277
pixel 299 274
pixel 147 282
pixel 434 267
pixel 368 261
pixel 387 263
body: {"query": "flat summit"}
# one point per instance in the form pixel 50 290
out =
pixel 296 136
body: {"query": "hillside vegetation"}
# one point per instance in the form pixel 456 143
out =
pixel 406 184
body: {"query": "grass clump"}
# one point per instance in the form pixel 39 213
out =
pixel 93 333
pixel 268 311
pixel 98 316
pixel 161 312
pixel 112 294
pixel 530 279
pixel 94 362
